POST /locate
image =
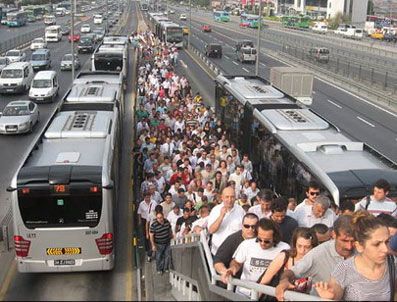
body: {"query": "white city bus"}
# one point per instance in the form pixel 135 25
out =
pixel 65 192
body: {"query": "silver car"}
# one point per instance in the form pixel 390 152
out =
pixel 66 63
pixel 16 55
pixel 19 117
pixel 4 61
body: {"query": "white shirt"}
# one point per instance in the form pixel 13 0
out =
pixel 237 179
pixel 172 218
pixel 232 222
pixel 250 194
pixel 144 209
pixel 258 211
pixel 167 149
pixel 255 260
pixel 308 219
pixel 375 207
pixel 201 222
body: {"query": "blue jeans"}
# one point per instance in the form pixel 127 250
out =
pixel 163 255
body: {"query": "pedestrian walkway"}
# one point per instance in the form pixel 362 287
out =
pixel 157 287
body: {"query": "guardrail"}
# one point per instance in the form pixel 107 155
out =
pixel 200 242
pixel 20 41
pixel 6 232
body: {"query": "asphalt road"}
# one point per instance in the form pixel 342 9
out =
pixel 358 119
pixel 115 285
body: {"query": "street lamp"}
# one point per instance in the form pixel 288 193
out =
pixel 258 36
pixel 190 24
pixel 73 5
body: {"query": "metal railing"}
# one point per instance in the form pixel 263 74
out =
pixel 255 289
pixel 20 40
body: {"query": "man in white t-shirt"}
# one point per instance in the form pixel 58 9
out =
pixel 225 218
pixel 173 216
pixel 312 191
pixel 319 213
pixel 256 254
pixel 378 202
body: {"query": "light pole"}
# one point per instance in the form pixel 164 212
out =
pixel 73 4
pixel 258 37
pixel 190 24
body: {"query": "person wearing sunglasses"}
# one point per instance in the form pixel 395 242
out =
pixel 225 252
pixel 320 213
pixel 254 255
pixel 312 191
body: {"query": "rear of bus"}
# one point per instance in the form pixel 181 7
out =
pixel 62 222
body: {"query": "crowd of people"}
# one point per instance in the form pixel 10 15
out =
pixel 193 179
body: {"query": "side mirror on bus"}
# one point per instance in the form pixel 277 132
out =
pixel 110 186
pixel 10 189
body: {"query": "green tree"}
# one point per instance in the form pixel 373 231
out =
pixel 370 8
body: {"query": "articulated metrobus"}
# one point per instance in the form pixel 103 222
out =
pixel 247 20
pixel 290 145
pixel 4 12
pixel 64 194
pixel 17 19
pixel 171 34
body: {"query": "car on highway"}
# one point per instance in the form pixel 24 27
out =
pixel 185 30
pixel 65 30
pixel 85 28
pixel 16 55
pixel 4 61
pixel 66 63
pixel 16 77
pixel 99 34
pixel 319 54
pixel 44 86
pixel 206 28
pixel 390 37
pixel 183 17
pixel 377 35
pixel 38 43
pixel 213 50
pixel 86 44
pixel 41 59
pixel 171 12
pixel 320 28
pixel 19 117
pixel 76 37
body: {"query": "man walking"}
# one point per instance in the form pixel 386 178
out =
pixel 160 237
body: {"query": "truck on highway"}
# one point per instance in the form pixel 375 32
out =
pixel 293 81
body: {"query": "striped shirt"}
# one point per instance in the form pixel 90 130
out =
pixel 161 231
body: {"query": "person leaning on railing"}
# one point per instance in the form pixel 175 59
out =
pixel 368 276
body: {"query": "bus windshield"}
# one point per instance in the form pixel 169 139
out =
pixel 39 209
pixel 174 34
pixel 110 62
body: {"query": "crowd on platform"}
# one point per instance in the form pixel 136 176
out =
pixel 193 179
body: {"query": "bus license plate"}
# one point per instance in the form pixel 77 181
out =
pixel 65 262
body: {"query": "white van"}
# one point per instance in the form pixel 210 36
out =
pixel 354 33
pixel 98 19
pixel 44 86
pixel 53 33
pixel 16 77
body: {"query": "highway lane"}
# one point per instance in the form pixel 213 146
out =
pixel 361 121
pixel 15 147
pixel 105 286
pixel 343 56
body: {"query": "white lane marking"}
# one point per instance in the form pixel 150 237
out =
pixel 183 64
pixel 313 92
pixel 264 65
pixel 364 121
pixel 227 57
pixel 245 69
pixel 335 104
pixel 235 63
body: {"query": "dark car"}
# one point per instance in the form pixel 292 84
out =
pixel 65 30
pixel 86 44
pixel 213 50
pixel 390 37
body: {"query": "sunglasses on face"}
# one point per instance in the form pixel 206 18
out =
pixel 314 193
pixel 252 226
pixel 265 241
